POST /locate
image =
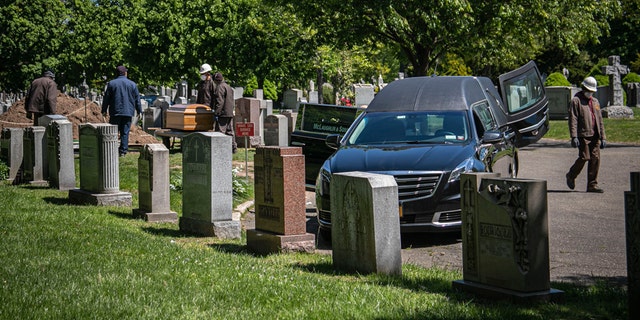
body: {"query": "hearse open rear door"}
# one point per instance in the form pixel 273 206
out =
pixel 525 103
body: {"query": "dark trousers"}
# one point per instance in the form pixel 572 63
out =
pixel 588 152
pixel 124 125
pixel 225 125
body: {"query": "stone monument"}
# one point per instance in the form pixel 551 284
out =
pixel 248 109
pixel 99 167
pixel 365 224
pixel 505 243
pixel 11 151
pixel 153 185
pixel 207 200
pixel 60 157
pixel 276 130
pixel 291 99
pixel 632 230
pixel 633 95
pixel 33 158
pixel 279 202
pixel 616 108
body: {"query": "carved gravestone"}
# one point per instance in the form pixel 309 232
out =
pixel 505 243
pixel 280 209
pixel 365 227
pixel 99 167
pixel 60 158
pixel 153 185
pixel 616 108
pixel 45 121
pixel 632 230
pixel 364 94
pixel 207 200
pixel 12 151
pixel 276 131
pixel 32 151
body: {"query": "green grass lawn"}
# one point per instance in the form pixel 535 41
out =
pixel 61 261
pixel 617 130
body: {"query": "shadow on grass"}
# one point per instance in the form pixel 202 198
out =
pixel 57 201
pixel 122 215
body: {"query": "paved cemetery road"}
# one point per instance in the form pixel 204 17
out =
pixel 586 230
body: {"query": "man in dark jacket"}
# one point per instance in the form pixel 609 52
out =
pixel 224 108
pixel 122 100
pixel 42 97
pixel 587 134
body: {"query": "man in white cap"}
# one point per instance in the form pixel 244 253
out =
pixel 206 86
pixel 587 134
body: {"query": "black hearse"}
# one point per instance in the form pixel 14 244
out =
pixel 427 131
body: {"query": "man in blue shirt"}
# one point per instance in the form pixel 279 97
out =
pixel 122 100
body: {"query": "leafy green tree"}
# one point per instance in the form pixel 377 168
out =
pixel 30 40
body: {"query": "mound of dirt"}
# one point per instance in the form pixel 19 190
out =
pixel 75 110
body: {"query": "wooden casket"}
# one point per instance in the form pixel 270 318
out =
pixel 189 117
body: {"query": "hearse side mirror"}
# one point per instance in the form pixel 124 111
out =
pixel 492 136
pixel 333 141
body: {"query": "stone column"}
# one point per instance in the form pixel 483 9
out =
pixel 207 200
pixel 12 151
pixel 280 202
pixel 99 167
pixel 505 243
pixel 33 166
pixel 62 173
pixel 153 185
pixel 632 228
pixel 365 223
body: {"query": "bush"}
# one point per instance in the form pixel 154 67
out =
pixel 556 79
pixel 270 90
pixel 4 171
pixel 631 77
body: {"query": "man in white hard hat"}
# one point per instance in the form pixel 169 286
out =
pixel 206 86
pixel 587 134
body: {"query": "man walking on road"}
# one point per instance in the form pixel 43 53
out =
pixel 587 134
pixel 122 100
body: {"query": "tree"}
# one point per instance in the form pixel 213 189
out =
pixel 30 40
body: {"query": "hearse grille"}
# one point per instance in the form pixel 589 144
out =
pixel 415 186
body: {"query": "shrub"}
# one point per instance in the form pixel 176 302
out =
pixel 4 171
pixel 631 77
pixel 270 90
pixel 556 79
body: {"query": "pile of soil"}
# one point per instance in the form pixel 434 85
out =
pixel 74 110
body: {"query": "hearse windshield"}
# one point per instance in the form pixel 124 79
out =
pixel 437 127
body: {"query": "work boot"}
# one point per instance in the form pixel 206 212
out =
pixel 571 183
pixel 595 190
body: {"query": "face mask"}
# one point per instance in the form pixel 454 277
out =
pixel 588 94
pixel 203 77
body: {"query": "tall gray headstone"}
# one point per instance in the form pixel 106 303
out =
pixel 44 121
pixel 153 185
pixel 632 230
pixel 505 243
pixel 291 99
pixel 11 150
pixel 207 200
pixel 365 227
pixel 99 167
pixel 276 130
pixel 33 162
pixel 60 158
pixel 364 94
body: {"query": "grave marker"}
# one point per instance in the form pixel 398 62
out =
pixel 505 242
pixel 632 230
pixel 99 167
pixel 153 185
pixel 33 162
pixel 207 200
pixel 12 151
pixel 62 172
pixel 365 227
pixel 279 202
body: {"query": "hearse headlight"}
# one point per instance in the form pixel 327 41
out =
pixel 322 182
pixel 464 166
